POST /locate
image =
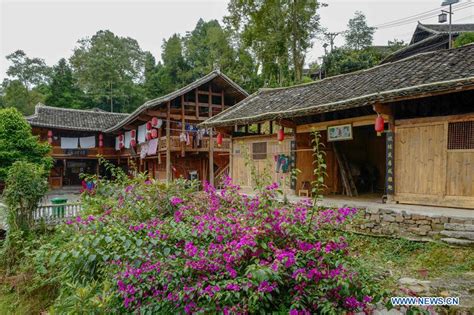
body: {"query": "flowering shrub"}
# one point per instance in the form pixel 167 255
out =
pixel 219 252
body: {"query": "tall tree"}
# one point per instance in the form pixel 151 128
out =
pixel 109 67
pixel 175 71
pixel 359 35
pixel 29 71
pixel 207 47
pixel 278 33
pixel 63 89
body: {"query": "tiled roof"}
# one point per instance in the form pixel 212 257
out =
pixel 160 100
pixel 444 28
pixel 73 119
pixel 437 71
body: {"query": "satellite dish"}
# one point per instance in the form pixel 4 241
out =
pixel 449 2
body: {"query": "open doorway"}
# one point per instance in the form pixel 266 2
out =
pixel 364 157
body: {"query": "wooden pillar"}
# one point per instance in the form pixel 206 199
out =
pixel 183 129
pixel 222 100
pixel 211 141
pixel 231 158
pixel 197 103
pixel 168 143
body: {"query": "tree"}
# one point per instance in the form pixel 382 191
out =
pixel 464 39
pixel 207 47
pixel 106 66
pixel 359 35
pixel 64 91
pixel 18 96
pixel 18 144
pixel 344 60
pixel 175 71
pixel 277 32
pixel 29 71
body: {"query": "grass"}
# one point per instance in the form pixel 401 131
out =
pixel 403 258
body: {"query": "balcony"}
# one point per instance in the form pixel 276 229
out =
pixel 58 152
pixel 177 145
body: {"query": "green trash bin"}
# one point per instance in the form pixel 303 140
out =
pixel 58 210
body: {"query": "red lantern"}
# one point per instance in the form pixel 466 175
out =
pixel 50 136
pixel 148 136
pixel 154 133
pixel 281 135
pixel 101 143
pixel 101 137
pixel 379 124
pixel 148 126
pixel 154 121
pixel 133 143
pixel 121 137
pixel 133 134
pixel 121 145
pixel 219 139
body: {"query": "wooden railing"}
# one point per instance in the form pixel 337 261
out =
pixel 175 144
pixel 92 152
pixel 54 214
pixel 221 174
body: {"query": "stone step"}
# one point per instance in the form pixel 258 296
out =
pixel 458 242
pixel 459 227
pixel 458 234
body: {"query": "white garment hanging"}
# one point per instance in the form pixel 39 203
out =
pixel 127 138
pixel 87 142
pixel 69 143
pixel 117 144
pixel 141 137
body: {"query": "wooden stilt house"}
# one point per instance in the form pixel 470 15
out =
pixel 402 131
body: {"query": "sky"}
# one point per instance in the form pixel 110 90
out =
pixel 50 29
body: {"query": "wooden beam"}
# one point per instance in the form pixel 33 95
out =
pixel 287 123
pixel 211 157
pixel 222 100
pixel 429 120
pixel 383 109
pixel 175 116
pixel 183 122
pixel 355 121
pixel 168 145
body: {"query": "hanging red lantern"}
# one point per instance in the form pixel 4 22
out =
pixel 101 143
pixel 148 135
pixel 281 135
pixel 154 133
pixel 133 134
pixel 120 137
pixel 219 139
pixel 154 121
pixel 148 126
pixel 133 143
pixel 121 145
pixel 50 136
pixel 101 137
pixel 379 124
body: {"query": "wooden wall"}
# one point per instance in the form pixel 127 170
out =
pixel 241 173
pixel 426 172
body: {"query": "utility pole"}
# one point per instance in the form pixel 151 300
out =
pixel 442 18
pixel 331 37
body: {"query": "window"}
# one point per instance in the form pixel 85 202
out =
pixel 461 135
pixel 259 150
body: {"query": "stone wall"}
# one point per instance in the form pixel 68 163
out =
pixel 380 221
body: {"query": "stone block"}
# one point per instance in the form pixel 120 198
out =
pixel 399 218
pixel 388 218
pixel 421 222
pixel 459 227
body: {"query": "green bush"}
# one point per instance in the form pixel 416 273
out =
pixel 26 184
pixel 18 144
pixel 464 39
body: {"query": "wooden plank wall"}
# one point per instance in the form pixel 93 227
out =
pixel 242 174
pixel 426 172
